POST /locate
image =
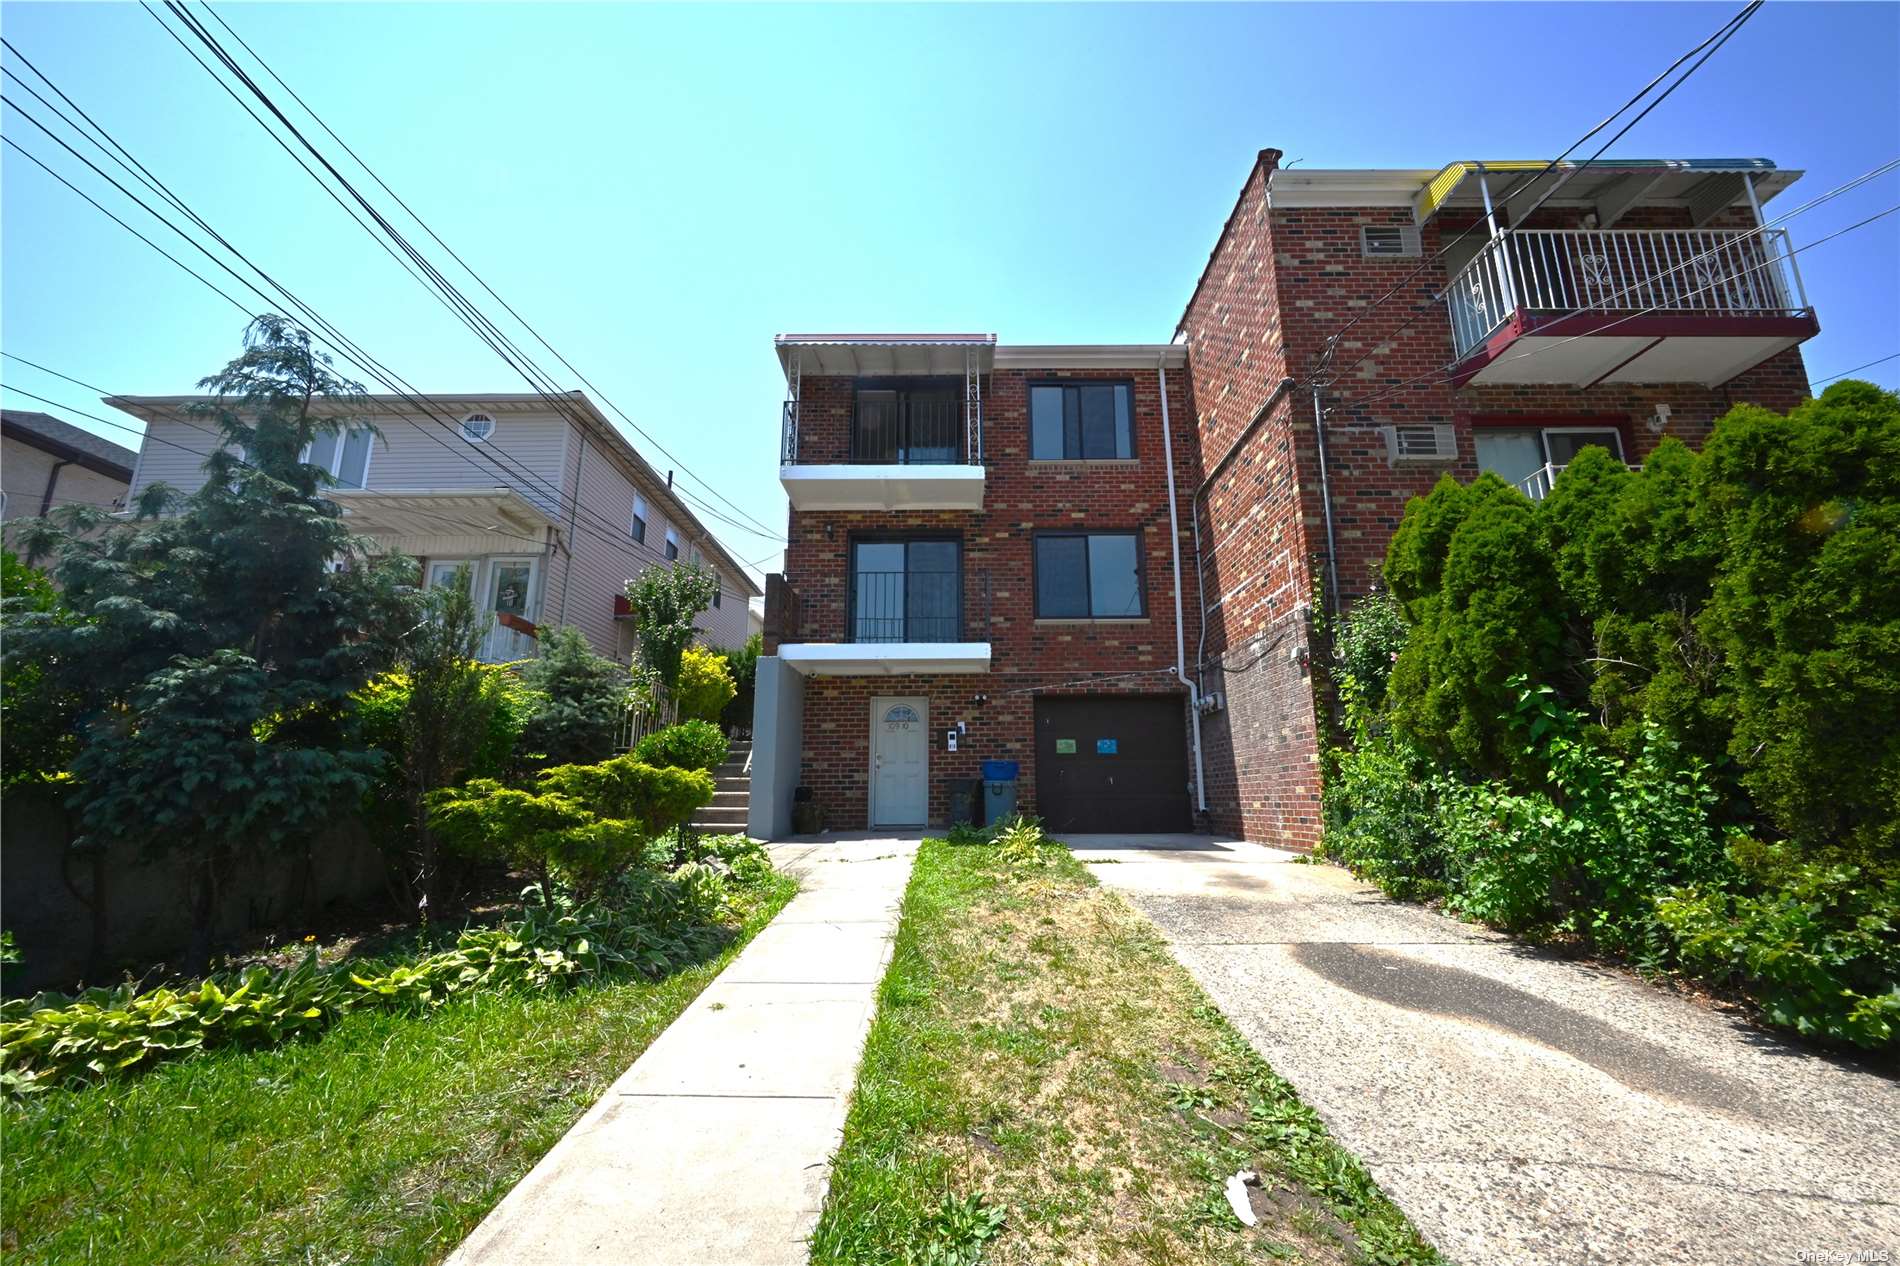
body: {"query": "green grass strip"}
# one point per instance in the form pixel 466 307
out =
pixel 1044 1082
pixel 385 1140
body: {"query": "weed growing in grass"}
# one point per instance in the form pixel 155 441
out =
pixel 955 1233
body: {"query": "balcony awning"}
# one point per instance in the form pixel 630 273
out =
pixel 503 513
pixel 1612 186
pixel 872 354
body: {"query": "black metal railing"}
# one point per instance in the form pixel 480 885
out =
pixel 906 606
pixel 909 429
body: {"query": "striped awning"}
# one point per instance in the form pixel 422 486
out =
pixel 1705 185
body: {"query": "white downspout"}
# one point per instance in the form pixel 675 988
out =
pixel 1180 632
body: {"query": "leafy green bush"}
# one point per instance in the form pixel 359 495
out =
pixel 1381 816
pixel 39 731
pixel 706 685
pixel 582 824
pixel 1365 648
pixel 744 665
pixel 688 745
pixel 644 922
pixel 1816 944
pixel 1589 854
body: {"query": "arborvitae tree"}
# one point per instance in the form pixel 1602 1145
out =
pixel 1805 611
pixel 217 638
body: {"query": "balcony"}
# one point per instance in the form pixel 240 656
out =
pixel 914 437
pixel 1579 307
pixel 896 623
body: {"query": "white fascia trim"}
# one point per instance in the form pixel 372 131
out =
pixel 1366 188
pixel 1090 356
pixel 887 659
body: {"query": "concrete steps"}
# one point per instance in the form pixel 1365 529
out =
pixel 726 815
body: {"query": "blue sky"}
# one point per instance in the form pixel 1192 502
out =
pixel 662 189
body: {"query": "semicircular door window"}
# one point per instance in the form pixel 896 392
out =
pixel 900 714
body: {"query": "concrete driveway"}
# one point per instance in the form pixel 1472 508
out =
pixel 1520 1108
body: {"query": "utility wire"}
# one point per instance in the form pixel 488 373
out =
pixel 1712 44
pixel 1442 374
pixel 446 292
pixel 1856 369
pixel 346 347
pixel 625 545
pixel 1603 302
pixel 479 279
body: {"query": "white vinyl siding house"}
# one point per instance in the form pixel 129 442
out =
pixel 539 505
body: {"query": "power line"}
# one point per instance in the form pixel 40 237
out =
pixel 1856 369
pixel 625 546
pixel 1817 200
pixel 457 303
pixel 1712 44
pixel 484 328
pixel 515 472
pixel 1443 372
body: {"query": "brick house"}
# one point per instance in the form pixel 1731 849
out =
pixel 956 505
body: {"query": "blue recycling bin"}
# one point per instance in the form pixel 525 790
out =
pixel 999 791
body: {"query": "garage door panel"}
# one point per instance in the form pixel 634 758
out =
pixel 1107 764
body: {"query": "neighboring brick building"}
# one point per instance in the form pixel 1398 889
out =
pixel 1525 341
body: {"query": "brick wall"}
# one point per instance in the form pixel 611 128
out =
pixel 1278 283
pixel 1028 656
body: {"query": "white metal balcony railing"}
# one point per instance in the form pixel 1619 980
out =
pixel 1702 272
pixel 1537 484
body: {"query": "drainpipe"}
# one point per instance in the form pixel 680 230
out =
pixel 1180 633
pixel 52 485
pixel 1326 505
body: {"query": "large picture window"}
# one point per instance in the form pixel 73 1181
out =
pixel 1081 421
pixel 1089 576
pixel 906 591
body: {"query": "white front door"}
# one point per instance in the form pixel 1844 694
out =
pixel 900 762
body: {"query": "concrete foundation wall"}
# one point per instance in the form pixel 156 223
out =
pixel 778 727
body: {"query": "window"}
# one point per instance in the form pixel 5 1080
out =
pixel 477 427
pixel 343 456
pixel 1388 241
pixel 672 545
pixel 1081 421
pixel 639 528
pixel 906 423
pixel 906 591
pixel 720 591
pixel 1531 456
pixel 1089 576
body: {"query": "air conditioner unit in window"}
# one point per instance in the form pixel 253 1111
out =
pixel 1388 241
pixel 1421 443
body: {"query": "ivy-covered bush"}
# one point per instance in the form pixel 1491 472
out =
pixel 584 825
pixel 688 745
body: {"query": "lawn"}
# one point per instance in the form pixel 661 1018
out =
pixel 1044 1083
pixel 384 1140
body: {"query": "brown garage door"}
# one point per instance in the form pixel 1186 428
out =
pixel 1112 764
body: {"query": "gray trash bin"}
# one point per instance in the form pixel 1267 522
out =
pixel 999 791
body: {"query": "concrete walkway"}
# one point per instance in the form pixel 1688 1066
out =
pixel 715 1146
pixel 1520 1108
